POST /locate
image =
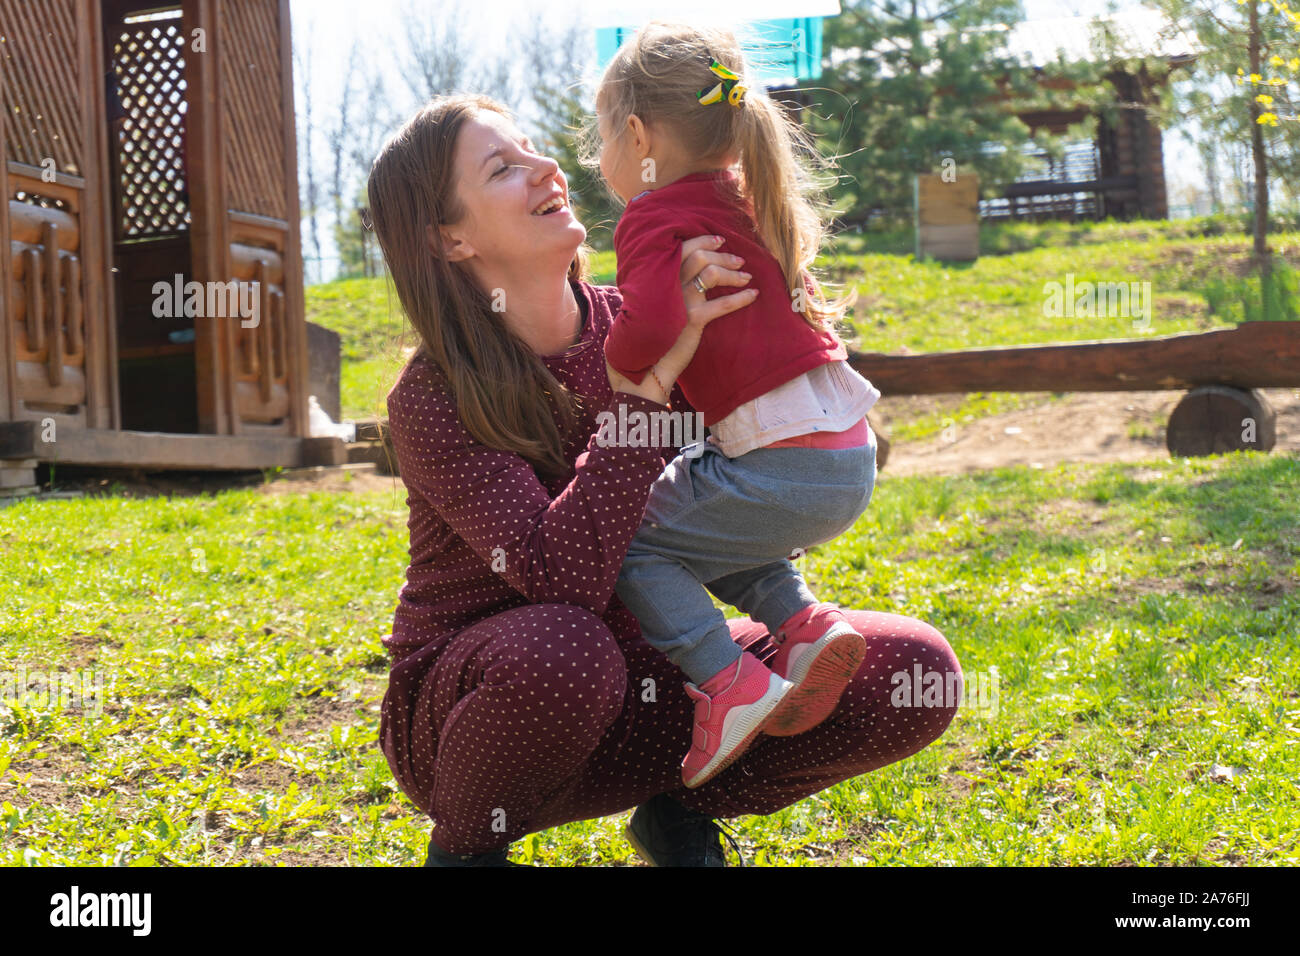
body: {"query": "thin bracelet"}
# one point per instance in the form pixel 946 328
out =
pixel 667 396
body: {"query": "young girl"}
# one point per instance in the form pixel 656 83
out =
pixel 693 148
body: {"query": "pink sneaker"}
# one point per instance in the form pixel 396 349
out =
pixel 819 652
pixel 731 709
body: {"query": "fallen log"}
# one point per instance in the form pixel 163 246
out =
pixel 1251 355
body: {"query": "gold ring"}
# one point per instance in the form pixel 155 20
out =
pixel 700 285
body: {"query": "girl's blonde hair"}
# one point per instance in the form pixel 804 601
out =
pixel 658 75
pixel 505 395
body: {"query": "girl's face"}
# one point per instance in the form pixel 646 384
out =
pixel 515 202
pixel 618 163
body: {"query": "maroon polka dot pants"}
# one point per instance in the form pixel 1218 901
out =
pixel 539 716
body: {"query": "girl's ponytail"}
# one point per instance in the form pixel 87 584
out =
pixel 778 185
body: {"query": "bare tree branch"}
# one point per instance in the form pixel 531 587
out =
pixel 435 59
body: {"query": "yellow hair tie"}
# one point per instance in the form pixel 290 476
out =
pixel 731 88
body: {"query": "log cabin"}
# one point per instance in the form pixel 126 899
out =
pixel 1120 172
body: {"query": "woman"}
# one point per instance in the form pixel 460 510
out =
pixel 521 695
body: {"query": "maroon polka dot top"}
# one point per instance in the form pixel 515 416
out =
pixel 486 533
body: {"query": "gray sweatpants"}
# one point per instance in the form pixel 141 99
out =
pixel 730 525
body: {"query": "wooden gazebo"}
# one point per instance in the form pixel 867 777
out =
pixel 152 298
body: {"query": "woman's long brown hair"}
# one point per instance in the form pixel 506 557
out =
pixel 506 396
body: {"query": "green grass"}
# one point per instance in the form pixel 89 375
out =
pixel 925 306
pixel 1142 618
pixel 373 332
pixel 1000 238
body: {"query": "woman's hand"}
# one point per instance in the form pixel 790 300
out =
pixel 702 261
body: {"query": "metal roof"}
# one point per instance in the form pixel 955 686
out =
pixel 1138 31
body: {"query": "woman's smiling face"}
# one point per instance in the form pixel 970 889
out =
pixel 514 203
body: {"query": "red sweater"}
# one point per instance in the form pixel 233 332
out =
pixel 559 541
pixel 741 355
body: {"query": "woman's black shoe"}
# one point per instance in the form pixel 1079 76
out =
pixel 440 857
pixel 665 833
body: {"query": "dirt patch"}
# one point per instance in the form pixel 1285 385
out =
pixel 54 781
pixel 356 479
pixel 269 775
pixel 312 857
pixel 1263 594
pixel 1237 258
pixel 1081 427
pixel 322 713
pixel 848 850
pixel 84 649
pixel 1072 513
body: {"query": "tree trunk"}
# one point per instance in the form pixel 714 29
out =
pixel 1261 166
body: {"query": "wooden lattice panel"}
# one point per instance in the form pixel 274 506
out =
pixel 39 83
pixel 253 117
pixel 149 66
